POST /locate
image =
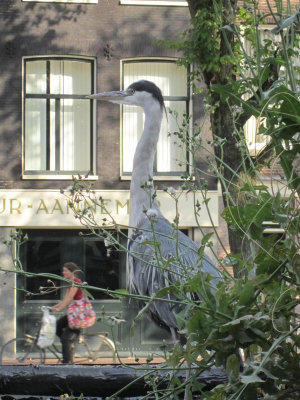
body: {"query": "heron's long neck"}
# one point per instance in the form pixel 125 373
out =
pixel 143 165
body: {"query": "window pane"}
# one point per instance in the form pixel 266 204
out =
pixel 42 256
pixel 70 77
pixel 35 134
pixel 36 77
pixel 75 135
pixel 171 152
pixel 77 77
pixel 168 76
pixel 53 152
pixel 102 268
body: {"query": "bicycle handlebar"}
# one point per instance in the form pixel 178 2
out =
pixel 43 308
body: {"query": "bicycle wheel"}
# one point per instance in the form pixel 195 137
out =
pixel 21 351
pixel 91 348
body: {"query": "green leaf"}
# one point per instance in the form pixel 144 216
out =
pixel 229 91
pixel 247 187
pixel 228 28
pixel 233 368
pixel 264 74
pixel 247 294
pixel 121 291
pixel 142 311
pixel 289 109
pixel 173 289
pixel 206 238
pixel 287 22
pixel 232 260
pixel 236 321
pixel 253 378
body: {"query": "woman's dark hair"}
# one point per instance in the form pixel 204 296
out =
pixel 71 266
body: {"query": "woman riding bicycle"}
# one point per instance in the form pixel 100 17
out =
pixel 67 335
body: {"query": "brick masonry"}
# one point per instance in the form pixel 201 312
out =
pixel 107 31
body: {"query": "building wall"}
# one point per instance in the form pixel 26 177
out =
pixel 108 31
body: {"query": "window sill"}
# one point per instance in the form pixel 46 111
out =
pixel 33 177
pixel 156 178
pixel 167 3
pixel 63 1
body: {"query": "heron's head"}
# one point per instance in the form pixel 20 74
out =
pixel 141 93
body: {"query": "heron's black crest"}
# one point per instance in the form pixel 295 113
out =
pixel 150 87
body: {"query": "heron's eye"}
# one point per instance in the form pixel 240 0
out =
pixel 131 91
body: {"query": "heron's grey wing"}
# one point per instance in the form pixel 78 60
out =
pixel 159 259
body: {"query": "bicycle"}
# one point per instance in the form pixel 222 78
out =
pixel 88 348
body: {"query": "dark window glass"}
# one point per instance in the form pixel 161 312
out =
pixel 101 267
pixel 47 251
pixel 42 256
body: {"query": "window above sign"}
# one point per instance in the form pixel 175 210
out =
pixel 58 120
pixel 171 156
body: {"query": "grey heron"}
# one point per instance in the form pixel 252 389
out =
pixel 146 262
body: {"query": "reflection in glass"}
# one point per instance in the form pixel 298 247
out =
pixel 42 256
pixel 102 268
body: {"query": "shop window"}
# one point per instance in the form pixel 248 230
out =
pixel 58 119
pixel 42 256
pixel 46 252
pixel 171 155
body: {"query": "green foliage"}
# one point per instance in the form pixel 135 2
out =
pixel 200 43
pixel 256 313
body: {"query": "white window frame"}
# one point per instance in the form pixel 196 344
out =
pixel 172 3
pixel 63 1
pixel 164 176
pixel 252 124
pixel 41 175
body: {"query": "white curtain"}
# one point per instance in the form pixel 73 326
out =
pixel 75 135
pixel 171 152
pixel 35 134
pixel 172 80
pixel 36 78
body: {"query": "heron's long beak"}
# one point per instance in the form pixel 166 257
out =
pixel 110 96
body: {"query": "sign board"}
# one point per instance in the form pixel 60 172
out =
pixel 51 208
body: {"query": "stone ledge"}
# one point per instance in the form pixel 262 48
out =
pixel 89 380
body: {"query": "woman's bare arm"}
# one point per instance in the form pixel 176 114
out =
pixel 69 296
